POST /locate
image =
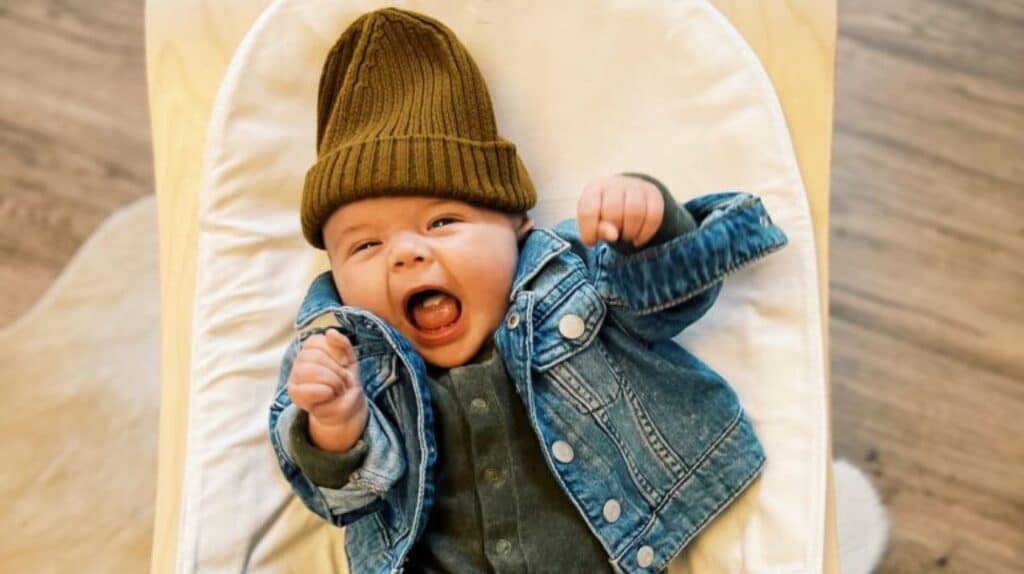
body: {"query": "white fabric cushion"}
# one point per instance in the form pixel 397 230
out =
pixel 584 88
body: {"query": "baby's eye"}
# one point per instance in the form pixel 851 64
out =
pixel 359 246
pixel 452 219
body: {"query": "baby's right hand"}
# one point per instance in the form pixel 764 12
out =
pixel 324 382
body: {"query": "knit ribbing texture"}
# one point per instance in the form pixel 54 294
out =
pixel 403 110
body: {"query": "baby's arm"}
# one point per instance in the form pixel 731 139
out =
pixel 341 486
pixel 325 437
pixel 671 277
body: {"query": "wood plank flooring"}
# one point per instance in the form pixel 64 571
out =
pixel 927 238
pixel 74 133
pixel 927 282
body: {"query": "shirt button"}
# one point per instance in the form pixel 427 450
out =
pixel 570 326
pixel 644 556
pixel 504 546
pixel 562 451
pixel 612 510
pixel 492 475
pixel 513 320
pixel 478 405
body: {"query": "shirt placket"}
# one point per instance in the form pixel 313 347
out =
pixel 488 426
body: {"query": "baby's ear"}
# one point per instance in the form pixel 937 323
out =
pixel 524 227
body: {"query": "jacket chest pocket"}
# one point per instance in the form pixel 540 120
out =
pixel 568 353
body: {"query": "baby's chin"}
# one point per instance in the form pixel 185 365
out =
pixel 448 356
pixel 456 353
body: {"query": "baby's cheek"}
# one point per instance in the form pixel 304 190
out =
pixel 359 288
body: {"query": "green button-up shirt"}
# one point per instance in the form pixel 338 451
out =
pixel 498 507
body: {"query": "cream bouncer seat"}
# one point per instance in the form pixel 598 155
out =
pixel 583 88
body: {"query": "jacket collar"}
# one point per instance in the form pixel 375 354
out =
pixel 539 248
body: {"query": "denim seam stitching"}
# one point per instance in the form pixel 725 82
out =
pixel 569 292
pixel 711 516
pixel 700 459
pixel 570 389
pixel 651 493
pixel 383 529
pixel 679 484
pixel 660 446
pixel 714 513
pixel 720 276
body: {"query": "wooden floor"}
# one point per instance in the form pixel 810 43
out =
pixel 927 237
pixel 74 133
pixel 927 280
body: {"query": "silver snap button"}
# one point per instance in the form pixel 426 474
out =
pixel 562 451
pixel 612 510
pixel 504 546
pixel 478 405
pixel 644 556
pixel 570 326
pixel 513 320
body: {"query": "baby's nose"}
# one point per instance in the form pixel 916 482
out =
pixel 408 253
pixel 406 261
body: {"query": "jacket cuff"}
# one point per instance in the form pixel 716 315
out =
pixel 331 470
pixel 734 230
pixel 675 221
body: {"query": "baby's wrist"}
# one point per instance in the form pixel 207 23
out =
pixel 334 438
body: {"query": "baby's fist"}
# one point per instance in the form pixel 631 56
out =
pixel 324 381
pixel 620 208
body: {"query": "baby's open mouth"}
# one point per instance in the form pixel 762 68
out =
pixel 433 309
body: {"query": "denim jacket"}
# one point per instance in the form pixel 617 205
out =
pixel 646 440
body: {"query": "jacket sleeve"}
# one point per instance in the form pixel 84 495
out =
pixel 338 488
pixel 656 291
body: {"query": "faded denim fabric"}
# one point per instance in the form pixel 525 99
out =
pixel 623 412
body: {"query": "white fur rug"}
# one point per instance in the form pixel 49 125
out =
pixel 80 376
pixel 862 524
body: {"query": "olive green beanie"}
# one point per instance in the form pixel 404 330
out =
pixel 403 110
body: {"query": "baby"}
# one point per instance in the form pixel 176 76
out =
pixel 469 393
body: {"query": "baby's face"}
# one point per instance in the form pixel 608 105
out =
pixel 385 251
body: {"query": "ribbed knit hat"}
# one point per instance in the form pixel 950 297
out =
pixel 403 110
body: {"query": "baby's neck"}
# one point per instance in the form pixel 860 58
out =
pixel 482 354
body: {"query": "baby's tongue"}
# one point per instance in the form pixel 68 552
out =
pixel 436 311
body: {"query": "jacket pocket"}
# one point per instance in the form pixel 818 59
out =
pixel 568 325
pixel 569 355
pixel 586 381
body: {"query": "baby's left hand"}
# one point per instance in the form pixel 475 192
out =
pixel 619 208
